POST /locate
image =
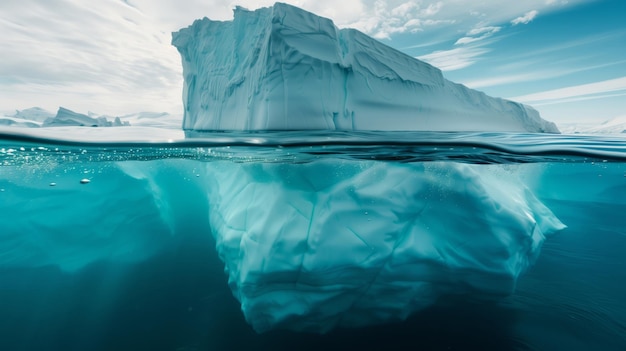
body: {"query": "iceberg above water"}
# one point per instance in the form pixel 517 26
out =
pixel 282 68
pixel 65 117
pixel 34 114
pixel 616 125
pixel 9 121
pixel 36 117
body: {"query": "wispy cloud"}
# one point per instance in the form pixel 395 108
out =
pixel 454 59
pixel 383 19
pixel 110 55
pixel 578 98
pixel 534 75
pixel 116 55
pixel 507 79
pixel 572 44
pixel 478 34
pixel 526 18
pixel 482 21
pixel 597 90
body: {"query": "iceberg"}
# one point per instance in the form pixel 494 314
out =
pixel 616 125
pixel 337 243
pixel 283 68
pixel 65 117
pixel 35 114
pixel 28 118
pixel 18 122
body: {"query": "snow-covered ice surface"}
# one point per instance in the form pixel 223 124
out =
pixel 282 68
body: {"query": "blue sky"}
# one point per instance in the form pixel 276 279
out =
pixel 565 58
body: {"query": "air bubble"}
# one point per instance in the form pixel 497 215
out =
pixel 84 181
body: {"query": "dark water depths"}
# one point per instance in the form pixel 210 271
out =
pixel 174 294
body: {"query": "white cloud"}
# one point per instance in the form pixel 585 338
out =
pixel 117 54
pixel 384 18
pixel 506 79
pixel 455 59
pixel 108 55
pixel 578 98
pixel 584 91
pixel 532 75
pixel 477 34
pixel 526 18
pixel 483 30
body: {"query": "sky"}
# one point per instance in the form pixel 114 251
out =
pixel 566 58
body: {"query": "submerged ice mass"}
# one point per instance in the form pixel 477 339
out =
pixel 337 243
pixel 282 68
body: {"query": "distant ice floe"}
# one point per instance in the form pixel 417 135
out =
pixel 615 125
pixel 65 117
pixel 36 117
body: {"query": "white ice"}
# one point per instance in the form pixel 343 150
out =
pixel 283 68
pixel 66 117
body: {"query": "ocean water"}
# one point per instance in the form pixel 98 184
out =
pixel 105 242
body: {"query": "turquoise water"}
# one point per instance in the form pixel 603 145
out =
pixel 107 245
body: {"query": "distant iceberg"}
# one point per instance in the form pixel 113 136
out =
pixel 9 121
pixel 616 125
pixel 65 117
pixel 28 118
pixel 282 68
pixel 35 114
pixel 36 117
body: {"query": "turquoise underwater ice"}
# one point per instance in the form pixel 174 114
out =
pixel 462 240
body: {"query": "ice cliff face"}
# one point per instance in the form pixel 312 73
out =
pixel 283 68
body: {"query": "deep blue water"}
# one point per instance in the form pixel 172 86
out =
pixel 154 282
